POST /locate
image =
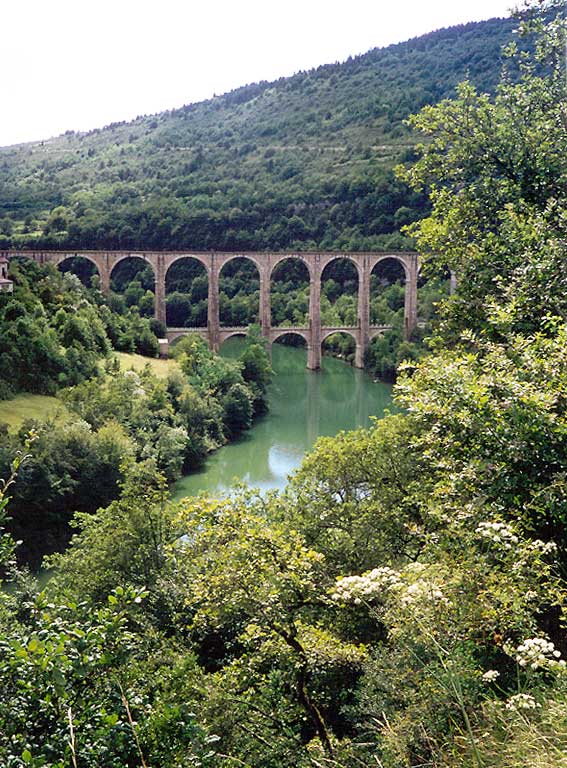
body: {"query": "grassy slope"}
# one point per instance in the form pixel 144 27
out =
pixel 26 406
pixel 159 368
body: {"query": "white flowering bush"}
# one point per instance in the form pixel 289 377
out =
pixel 543 547
pixel 366 587
pixel 503 536
pixel 537 653
pixel 500 534
pixel 421 593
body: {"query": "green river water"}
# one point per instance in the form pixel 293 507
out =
pixel 303 406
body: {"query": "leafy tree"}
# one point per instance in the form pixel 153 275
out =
pixel 259 581
pixel 70 691
pixel 256 368
pixel 237 404
pixel 496 170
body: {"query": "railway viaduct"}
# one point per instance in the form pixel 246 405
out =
pixel 213 262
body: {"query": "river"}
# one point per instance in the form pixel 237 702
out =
pixel 303 406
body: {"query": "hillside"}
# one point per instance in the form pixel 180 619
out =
pixel 303 162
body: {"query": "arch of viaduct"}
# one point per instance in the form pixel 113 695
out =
pixel 213 262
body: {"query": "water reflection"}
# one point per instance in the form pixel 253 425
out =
pixel 303 406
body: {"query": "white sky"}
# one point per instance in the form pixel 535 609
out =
pixel 81 64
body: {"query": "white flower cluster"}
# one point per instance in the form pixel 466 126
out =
pixel 423 591
pixel 491 675
pixel 366 587
pixel 538 653
pixel 135 380
pixel 544 547
pixel 498 533
pixel 521 701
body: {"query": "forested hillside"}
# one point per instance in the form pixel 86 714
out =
pixel 301 163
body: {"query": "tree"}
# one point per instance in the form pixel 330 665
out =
pixel 256 368
pixel 357 496
pixel 496 171
pixel 237 404
pixel 254 584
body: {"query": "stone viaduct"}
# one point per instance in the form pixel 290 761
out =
pixel 314 334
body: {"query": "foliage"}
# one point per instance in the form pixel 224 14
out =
pixel 69 467
pixel 94 565
pixel 126 417
pixel 497 416
pixel 55 331
pixel 496 172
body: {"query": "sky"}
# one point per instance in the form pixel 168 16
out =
pixel 81 64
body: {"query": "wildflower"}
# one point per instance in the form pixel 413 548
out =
pixel 422 591
pixel 538 653
pixel 544 547
pixel 521 701
pixel 498 533
pixel 490 675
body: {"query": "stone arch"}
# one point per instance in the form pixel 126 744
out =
pixel 281 344
pixel 296 256
pixel 228 258
pixel 378 331
pixel 118 258
pixel 131 257
pixel 332 331
pixel 174 334
pixel 239 295
pixel 350 353
pixel 286 332
pixel 195 256
pixel 66 256
pixel 388 285
pixel 186 295
pixel 394 257
pixel 79 261
pixel 290 308
pixel 338 294
pixel 124 281
pixel 232 334
pixel 229 335
pixel 353 258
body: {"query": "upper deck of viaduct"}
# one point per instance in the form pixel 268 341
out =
pixel 265 262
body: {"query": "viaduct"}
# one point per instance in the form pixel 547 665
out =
pixel 314 334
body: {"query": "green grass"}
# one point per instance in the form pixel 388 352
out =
pixel 159 367
pixel 26 406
